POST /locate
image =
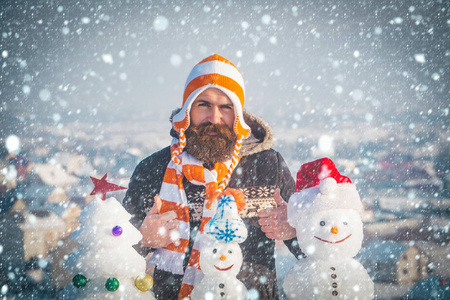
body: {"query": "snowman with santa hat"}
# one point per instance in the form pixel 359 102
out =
pixel 220 253
pixel 325 210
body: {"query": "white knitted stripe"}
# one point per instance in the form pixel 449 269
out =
pixel 192 276
pixel 167 260
pixel 170 192
pixel 199 238
pixel 216 67
pixel 183 228
pixel 209 213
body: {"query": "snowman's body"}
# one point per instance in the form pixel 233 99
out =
pixel 330 235
pixel 219 287
pixel 220 263
pixel 328 279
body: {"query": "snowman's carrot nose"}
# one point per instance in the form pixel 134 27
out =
pixel 223 257
pixel 334 230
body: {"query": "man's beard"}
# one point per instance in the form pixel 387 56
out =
pixel 207 148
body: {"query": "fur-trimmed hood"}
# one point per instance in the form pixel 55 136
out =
pixel 260 139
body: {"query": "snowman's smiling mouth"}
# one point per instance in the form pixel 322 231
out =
pixel 224 269
pixel 337 242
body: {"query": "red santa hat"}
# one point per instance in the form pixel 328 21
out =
pixel 310 174
pixel 320 187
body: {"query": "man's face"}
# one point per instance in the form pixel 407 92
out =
pixel 212 106
pixel 210 137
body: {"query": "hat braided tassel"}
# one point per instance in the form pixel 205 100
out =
pixel 224 183
pixel 178 150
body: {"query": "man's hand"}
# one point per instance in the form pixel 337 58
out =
pixel 159 230
pixel 273 221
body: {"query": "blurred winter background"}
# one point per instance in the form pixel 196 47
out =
pixel 87 88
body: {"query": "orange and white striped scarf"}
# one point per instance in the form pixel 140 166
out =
pixel 173 198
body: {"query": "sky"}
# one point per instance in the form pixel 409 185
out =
pixel 128 60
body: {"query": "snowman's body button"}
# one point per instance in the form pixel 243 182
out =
pixel 334 293
pixel 333 276
pixel 334 285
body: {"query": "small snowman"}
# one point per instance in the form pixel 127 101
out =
pixel 325 211
pixel 221 255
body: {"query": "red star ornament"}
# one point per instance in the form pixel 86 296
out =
pixel 101 187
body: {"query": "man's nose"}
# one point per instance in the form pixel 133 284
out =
pixel 215 116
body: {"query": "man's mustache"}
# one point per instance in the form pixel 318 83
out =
pixel 206 128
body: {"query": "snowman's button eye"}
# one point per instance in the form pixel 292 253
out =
pixel 214 251
pixel 229 251
pixel 322 223
pixel 345 223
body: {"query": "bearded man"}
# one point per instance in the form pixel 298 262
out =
pixel 216 145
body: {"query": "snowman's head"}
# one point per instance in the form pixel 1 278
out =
pixel 327 219
pixel 219 258
pixel 330 233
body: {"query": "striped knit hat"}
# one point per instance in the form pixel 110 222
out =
pixel 214 72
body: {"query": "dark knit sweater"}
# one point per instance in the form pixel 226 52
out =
pixel 258 173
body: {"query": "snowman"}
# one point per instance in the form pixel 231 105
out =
pixel 221 255
pixel 325 211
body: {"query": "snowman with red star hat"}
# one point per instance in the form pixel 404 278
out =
pixel 220 253
pixel 325 211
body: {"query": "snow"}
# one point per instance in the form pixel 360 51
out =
pixel 85 20
pixel 54 73
pixel 176 60
pixel 26 89
pixel 357 95
pixel 107 58
pixel 266 19
pixel 160 23
pixel 259 58
pixel 397 20
pixel 13 144
pixel 435 76
pixel 420 58
pixel 45 95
